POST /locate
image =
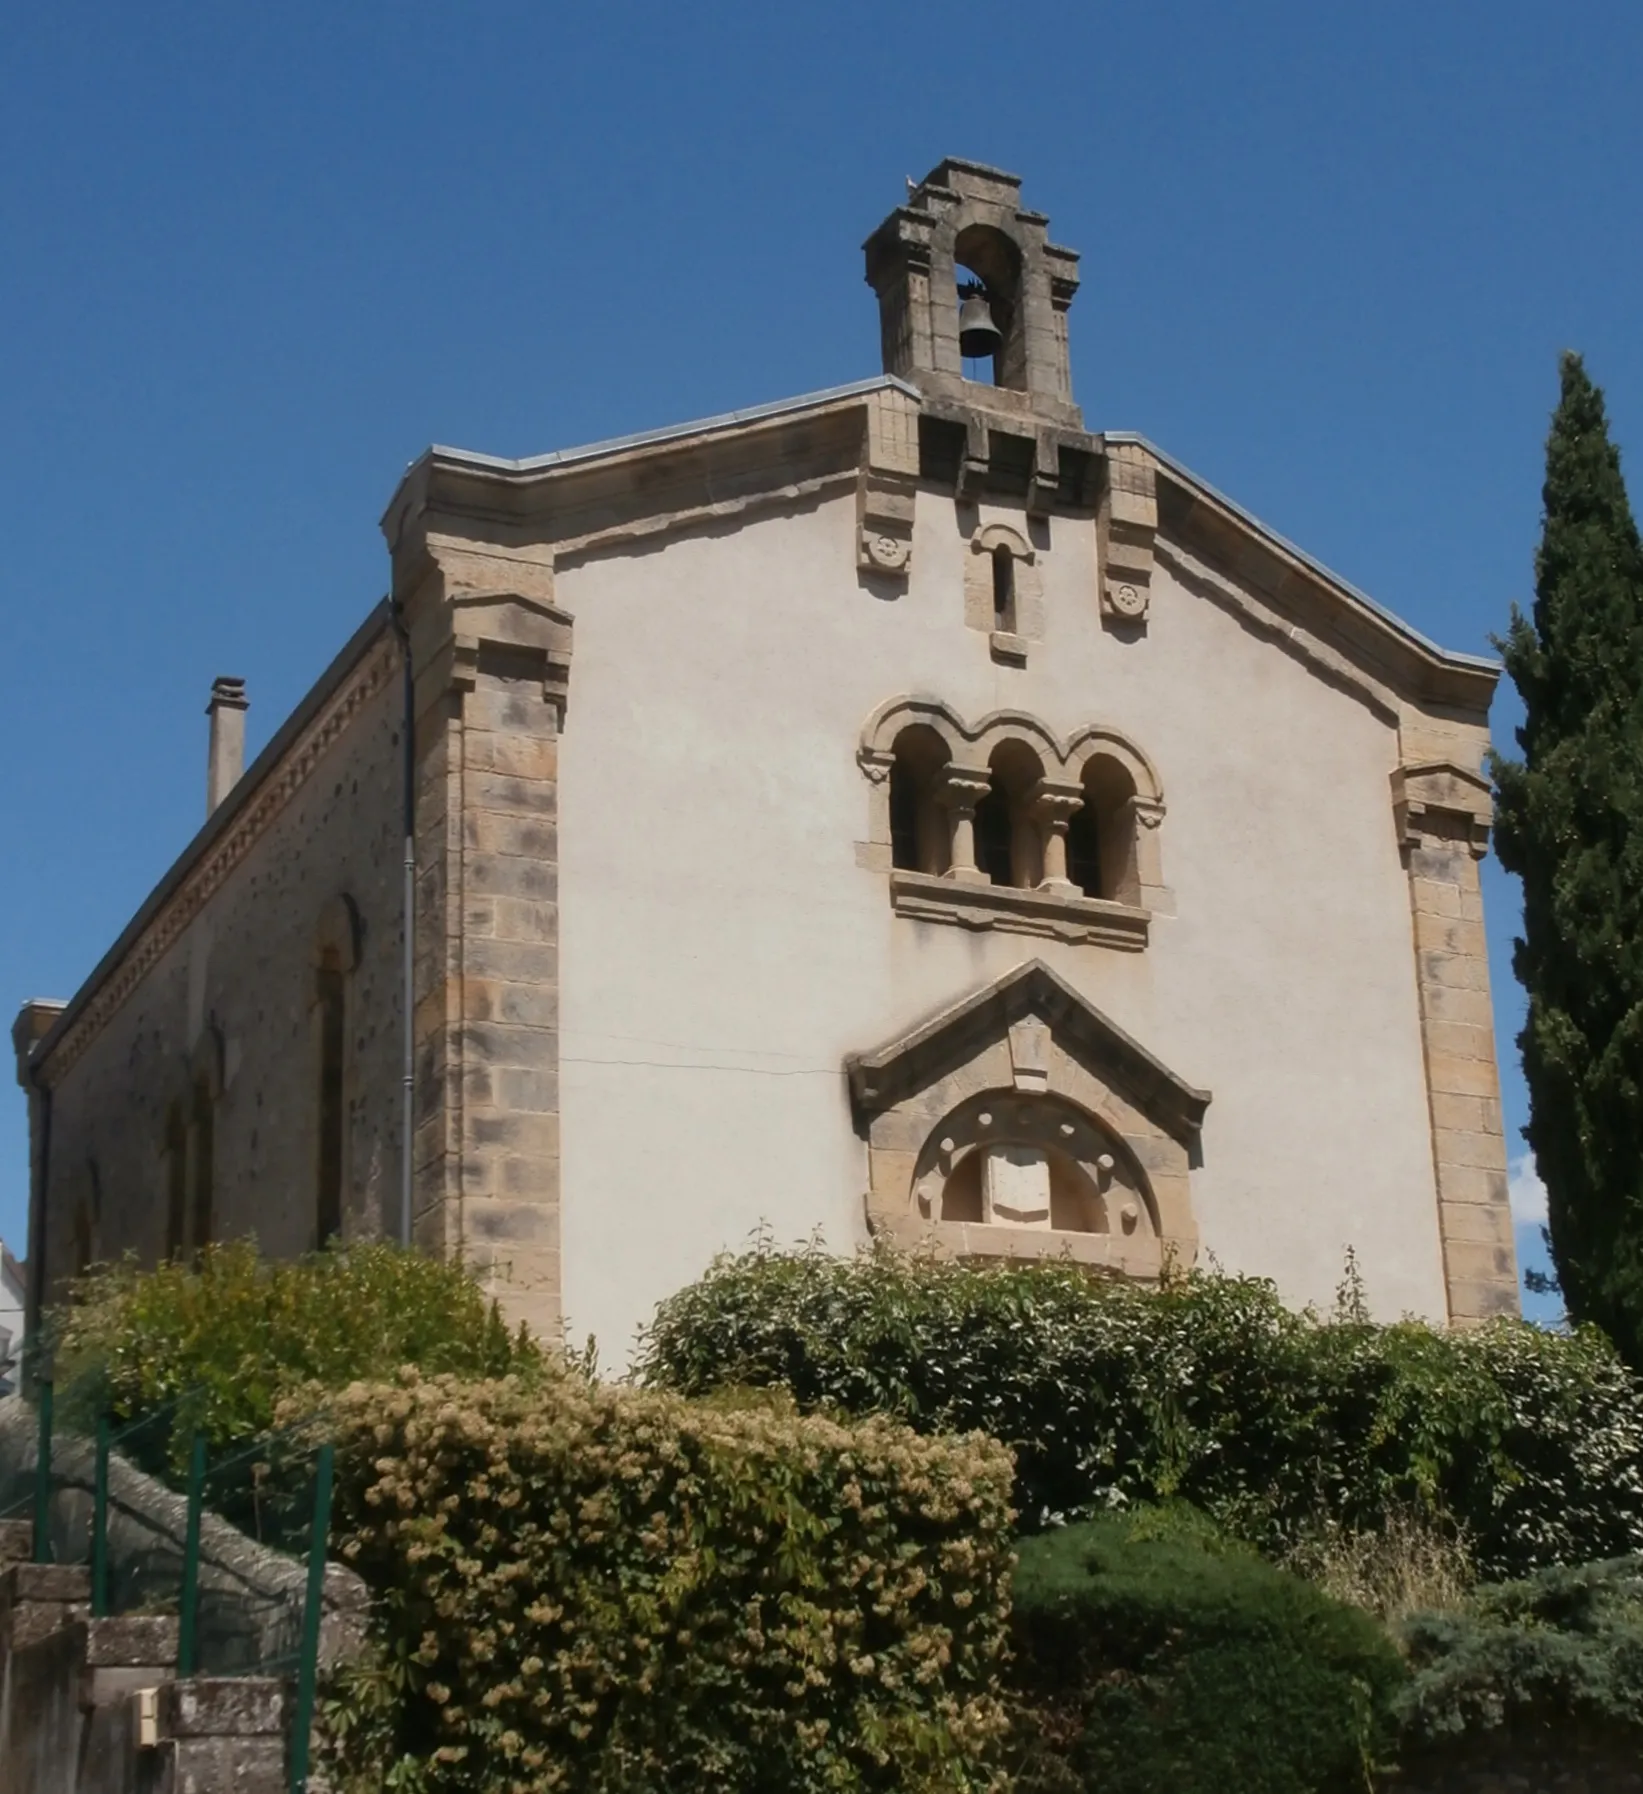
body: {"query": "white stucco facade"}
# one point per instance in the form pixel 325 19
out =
pixel 723 950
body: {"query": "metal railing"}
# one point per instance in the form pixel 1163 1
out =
pixel 238 1556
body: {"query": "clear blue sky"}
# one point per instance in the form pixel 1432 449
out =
pixel 255 259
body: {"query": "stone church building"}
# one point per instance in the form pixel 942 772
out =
pixel 900 810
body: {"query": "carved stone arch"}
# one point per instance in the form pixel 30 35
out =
pixel 1086 743
pixel 337 934
pixel 999 726
pixel 905 750
pixel 1123 807
pixel 1001 557
pixel 1018 1075
pixel 878 735
pixel 1002 535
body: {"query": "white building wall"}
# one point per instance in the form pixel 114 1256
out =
pixel 722 950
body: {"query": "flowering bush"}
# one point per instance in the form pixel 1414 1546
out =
pixel 223 1341
pixel 1207 1390
pixel 605 1589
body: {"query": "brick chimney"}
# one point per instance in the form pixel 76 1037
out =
pixel 227 754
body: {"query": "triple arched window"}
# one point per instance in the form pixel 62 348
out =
pixel 973 814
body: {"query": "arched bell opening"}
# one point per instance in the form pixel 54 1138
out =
pixel 992 348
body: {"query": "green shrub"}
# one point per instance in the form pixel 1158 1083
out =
pixel 1208 1390
pixel 228 1340
pixel 1559 1652
pixel 602 1589
pixel 1151 1654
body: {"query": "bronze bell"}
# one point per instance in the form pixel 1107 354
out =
pixel 978 335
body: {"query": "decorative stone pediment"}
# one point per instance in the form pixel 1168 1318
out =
pixel 1022 1122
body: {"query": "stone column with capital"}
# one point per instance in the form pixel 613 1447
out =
pixel 1053 805
pixel 1443 814
pixel 962 788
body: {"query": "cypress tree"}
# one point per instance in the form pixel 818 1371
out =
pixel 1569 822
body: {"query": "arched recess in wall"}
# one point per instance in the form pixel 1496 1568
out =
pixel 1112 841
pixel 200 1154
pixel 336 956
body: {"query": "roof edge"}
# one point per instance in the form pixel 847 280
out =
pixel 1450 657
pixel 219 821
pixel 701 426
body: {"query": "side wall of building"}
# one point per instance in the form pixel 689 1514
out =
pixel 727 935
pixel 221 990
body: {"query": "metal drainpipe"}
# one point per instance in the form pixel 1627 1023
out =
pixel 408 911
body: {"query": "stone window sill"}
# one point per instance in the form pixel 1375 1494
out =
pixel 1054 914
pixel 1139 1255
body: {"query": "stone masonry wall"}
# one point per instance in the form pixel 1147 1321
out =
pixel 230 982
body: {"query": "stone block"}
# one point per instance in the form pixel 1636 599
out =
pixel 1455 1146
pixel 523 962
pixel 224 1766
pixel 16 1541
pixel 1435 897
pixel 1464 1114
pixel 535 1135
pixel 1455 971
pixel 1449 934
pixel 1472 1183
pixel 516 756
pixel 501 1043
pixel 499 1223
pixel 535 1178
pixel 1451 1075
pixel 1479 1261
pixel 523 919
pixel 527 1091
pixel 1460 1040
pixel 1481 1299
pixel 1477 1223
pixel 1443 862
pixel 145 1639
pixel 44 1582
pixel 222 1707
pixel 1449 1003
pixel 501 794
pixel 510 875
pixel 892 1172
pixel 493 831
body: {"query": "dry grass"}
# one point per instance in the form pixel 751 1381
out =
pixel 1411 1565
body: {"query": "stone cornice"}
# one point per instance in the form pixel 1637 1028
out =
pixel 364 667
pixel 600 498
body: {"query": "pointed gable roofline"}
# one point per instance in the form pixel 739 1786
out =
pixel 914 1060
pixel 610 494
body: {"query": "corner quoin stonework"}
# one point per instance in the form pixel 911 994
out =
pixel 492 654
pixel 1443 816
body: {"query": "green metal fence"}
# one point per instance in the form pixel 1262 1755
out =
pixel 232 1543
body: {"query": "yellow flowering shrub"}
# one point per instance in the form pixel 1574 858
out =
pixel 598 1588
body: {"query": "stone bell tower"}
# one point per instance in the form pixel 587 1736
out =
pixel 963 230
